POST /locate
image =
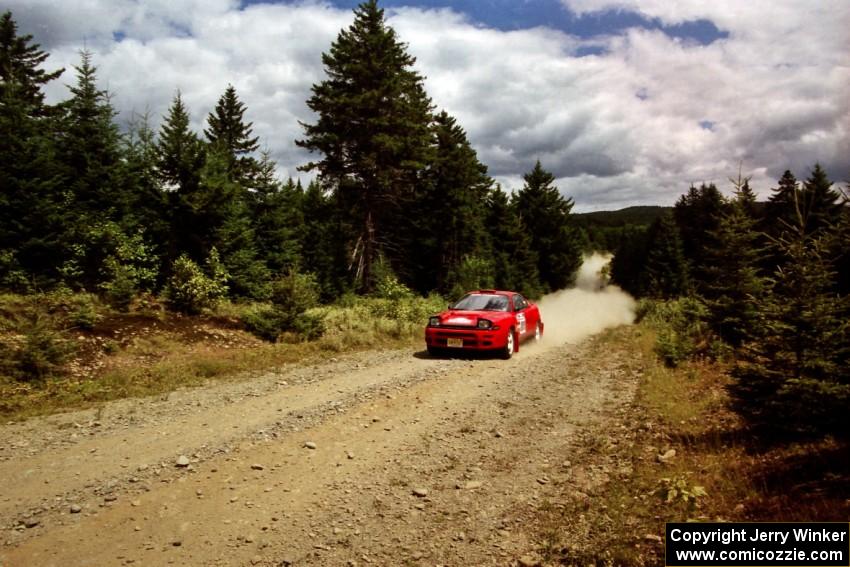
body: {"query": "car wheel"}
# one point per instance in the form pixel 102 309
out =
pixel 508 351
pixel 434 351
pixel 538 332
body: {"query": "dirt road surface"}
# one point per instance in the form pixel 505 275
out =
pixel 376 458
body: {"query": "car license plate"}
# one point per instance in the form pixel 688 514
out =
pixel 454 343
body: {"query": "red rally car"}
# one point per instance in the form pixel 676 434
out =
pixel 486 319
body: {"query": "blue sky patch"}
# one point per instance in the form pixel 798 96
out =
pixel 514 15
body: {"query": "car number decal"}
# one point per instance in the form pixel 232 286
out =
pixel 520 319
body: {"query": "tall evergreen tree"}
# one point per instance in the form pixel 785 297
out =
pixel 277 218
pixel 629 262
pixel 323 246
pixel 180 156
pixel 733 285
pixel 698 214
pixel 745 197
pixel 782 206
pixel 32 204
pixel 452 208
pixel 90 154
pixel 220 219
pixel 227 130
pixel 373 132
pixel 821 204
pixel 149 208
pixel 782 210
pixel 179 152
pixel 665 270
pixel 546 216
pixel 90 146
pixel 514 261
pixel 794 372
pixel 840 248
pixel 21 74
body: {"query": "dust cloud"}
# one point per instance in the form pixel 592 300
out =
pixel 571 315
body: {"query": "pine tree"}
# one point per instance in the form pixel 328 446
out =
pixel 180 156
pixel 90 147
pixel 665 270
pixel 782 206
pixel 149 206
pixel 546 216
pixel 629 262
pixel 745 197
pixel 277 219
pixel 733 285
pixel 179 152
pixel 514 261
pixel 228 131
pixel 21 74
pixel 221 220
pixel 452 208
pixel 698 214
pixel 99 200
pixel 840 249
pixel 821 204
pixel 373 132
pixel 795 371
pixel 323 242
pixel 32 205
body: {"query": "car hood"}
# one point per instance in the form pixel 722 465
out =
pixel 469 318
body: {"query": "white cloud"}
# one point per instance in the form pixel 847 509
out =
pixel 618 128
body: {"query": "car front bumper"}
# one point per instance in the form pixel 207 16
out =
pixel 468 338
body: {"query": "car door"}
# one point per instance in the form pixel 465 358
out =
pixel 521 315
pixel 530 314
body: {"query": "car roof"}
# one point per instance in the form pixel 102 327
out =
pixel 491 292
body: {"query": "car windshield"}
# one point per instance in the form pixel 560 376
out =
pixel 481 302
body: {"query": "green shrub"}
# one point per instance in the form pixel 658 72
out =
pixel 309 326
pixel 38 353
pixel 681 332
pixel 388 287
pixel 190 290
pixel 295 292
pixel 72 309
pixel 292 296
pixel 264 322
pixel 12 275
pixel 84 313
pixel 121 288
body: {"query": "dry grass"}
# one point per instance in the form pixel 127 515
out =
pixel 720 472
pixel 134 355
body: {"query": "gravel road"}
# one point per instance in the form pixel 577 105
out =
pixel 378 458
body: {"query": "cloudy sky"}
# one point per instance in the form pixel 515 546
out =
pixel 625 101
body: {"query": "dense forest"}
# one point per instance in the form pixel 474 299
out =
pixel 397 191
pixel 765 284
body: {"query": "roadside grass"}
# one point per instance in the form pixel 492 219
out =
pixel 721 471
pixel 138 354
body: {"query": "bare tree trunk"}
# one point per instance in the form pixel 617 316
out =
pixel 369 251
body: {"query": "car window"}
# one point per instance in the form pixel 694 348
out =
pixel 482 302
pixel 520 302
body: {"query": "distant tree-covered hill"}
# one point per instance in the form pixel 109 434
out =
pixel 605 230
pixel 639 215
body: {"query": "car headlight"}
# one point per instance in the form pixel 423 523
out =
pixel 434 322
pixel 484 324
